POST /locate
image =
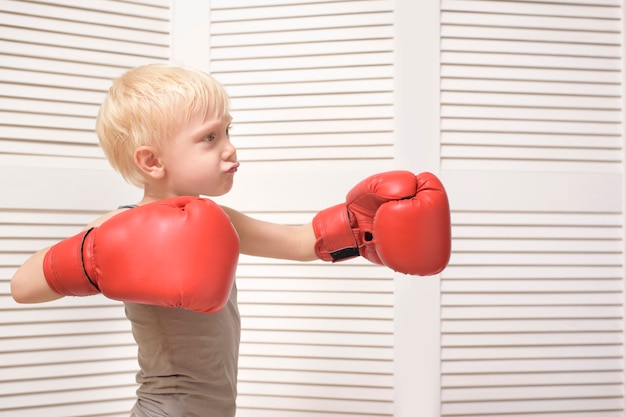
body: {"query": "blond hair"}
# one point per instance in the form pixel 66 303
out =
pixel 147 105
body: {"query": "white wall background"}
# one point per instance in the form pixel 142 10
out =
pixel 516 104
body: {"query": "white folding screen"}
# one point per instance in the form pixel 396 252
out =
pixel 531 152
pixel 72 357
pixel 532 304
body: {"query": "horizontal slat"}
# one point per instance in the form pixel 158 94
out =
pixel 532 312
pixel 46 107
pixel 531 352
pixel 530 339
pixel 303 337
pixel 309 75
pixel 312 405
pixel 331 87
pixel 73 355
pixel 534 272
pixel 329 99
pixel 67 383
pixel 531 393
pixel 75 328
pixel 374 139
pixel 60 398
pixel 319 299
pixel 590 24
pixel 530 365
pixel 382 31
pixel 303 49
pixel 301 22
pixel 525 407
pixel 531 140
pixel 340 153
pixel 301 282
pixel 321 114
pixel 304 127
pixel 150 22
pixel 531 286
pixel 314 377
pixel 471 111
pixel 560 35
pixel 85 124
pixel 607 298
pixel 314 391
pixel 153 9
pixel 49 93
pixel 508 46
pixel 65 33
pixel 346 311
pixel 521 100
pixel 588 10
pixel 504 72
pixel 68 369
pixel 466 233
pixel 322 364
pixel 82 82
pixel 58 315
pixel 314 324
pixel 544 245
pixel 530 378
pixel 300 62
pixel 530 61
pixel 35 343
pixel 72 59
pixel 271 351
pixel 276 11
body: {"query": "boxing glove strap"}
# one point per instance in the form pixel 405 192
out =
pixel 334 237
pixel 64 267
pixel 82 259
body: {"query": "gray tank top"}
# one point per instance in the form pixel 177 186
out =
pixel 188 360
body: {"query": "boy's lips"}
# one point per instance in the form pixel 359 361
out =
pixel 233 168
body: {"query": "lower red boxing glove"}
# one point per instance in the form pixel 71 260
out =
pixel 395 218
pixel 179 252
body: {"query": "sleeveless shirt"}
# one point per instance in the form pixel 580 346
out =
pixel 188 360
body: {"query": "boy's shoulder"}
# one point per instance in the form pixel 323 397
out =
pixel 107 216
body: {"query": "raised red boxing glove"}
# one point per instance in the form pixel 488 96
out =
pixel 395 219
pixel 178 252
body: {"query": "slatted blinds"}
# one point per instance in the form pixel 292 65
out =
pixel 73 357
pixel 311 86
pixel 532 305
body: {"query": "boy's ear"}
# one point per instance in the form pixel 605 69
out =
pixel 148 161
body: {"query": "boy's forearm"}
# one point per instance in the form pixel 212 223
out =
pixel 29 285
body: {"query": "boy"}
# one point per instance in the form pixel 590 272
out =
pixel 172 257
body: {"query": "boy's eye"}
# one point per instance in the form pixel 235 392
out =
pixel 209 138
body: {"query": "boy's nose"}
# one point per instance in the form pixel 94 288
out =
pixel 230 151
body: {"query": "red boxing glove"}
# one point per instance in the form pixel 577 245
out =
pixel 395 219
pixel 178 252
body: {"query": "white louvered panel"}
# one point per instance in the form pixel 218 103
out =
pixel 311 85
pixel 306 77
pixel 532 314
pixel 74 356
pixel 53 83
pixel 531 86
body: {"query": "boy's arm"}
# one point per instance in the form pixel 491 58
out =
pixel 29 285
pixel 271 240
pixel 396 218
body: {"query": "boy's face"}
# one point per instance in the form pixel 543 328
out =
pixel 200 159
